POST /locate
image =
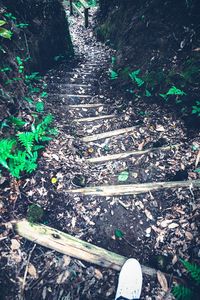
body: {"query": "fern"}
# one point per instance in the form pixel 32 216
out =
pixel 193 270
pixel 39 106
pixel 27 140
pixel 17 121
pixel 30 164
pixel 17 163
pixel 113 74
pixel 181 292
pixel 134 77
pixel 6 146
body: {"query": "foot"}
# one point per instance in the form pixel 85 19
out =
pixel 130 281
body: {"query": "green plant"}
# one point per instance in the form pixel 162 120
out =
pixel 196 108
pixel 27 140
pixel 172 91
pixel 188 293
pixel 6 147
pixel 22 25
pixel 113 74
pixel 135 78
pixel 20 64
pixel 17 121
pixel 35 213
pixel 32 77
pixel 39 106
pixel 5 33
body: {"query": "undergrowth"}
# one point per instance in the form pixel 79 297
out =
pixel 24 134
pixel 190 292
pixel 174 87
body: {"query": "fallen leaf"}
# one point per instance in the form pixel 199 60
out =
pixel 162 280
pixel 173 225
pixel 165 223
pixel 188 235
pixel 15 245
pixel 160 128
pixel 98 275
pixel 148 214
pixel 123 176
pixel 63 277
pixel 32 271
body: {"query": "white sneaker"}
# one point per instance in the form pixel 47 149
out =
pixel 130 280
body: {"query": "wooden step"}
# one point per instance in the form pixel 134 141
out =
pixel 128 154
pixel 134 189
pixel 93 119
pixel 86 105
pixel 108 134
pixel 72 246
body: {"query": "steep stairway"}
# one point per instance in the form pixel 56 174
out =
pixel 116 165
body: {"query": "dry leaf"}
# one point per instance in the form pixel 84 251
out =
pixel 197 159
pixel 15 245
pixel 148 214
pixel 98 275
pixel 173 225
pixel 63 277
pixel 160 128
pixel 188 235
pixel 165 223
pixel 66 260
pixel 163 281
pixel 174 260
pixel 32 271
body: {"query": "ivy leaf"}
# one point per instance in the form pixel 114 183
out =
pixel 123 176
pixel 118 234
pixel 5 33
pixel 2 22
pixel 147 93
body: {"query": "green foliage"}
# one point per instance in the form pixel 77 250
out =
pixel 39 106
pixel 35 213
pixel 6 69
pixel 188 293
pixel 5 33
pixel 172 91
pixel 123 176
pixel 21 161
pixel 22 25
pixel 10 16
pixel 119 234
pixel 135 78
pixel 26 139
pixel 181 292
pixel 6 146
pixel 20 64
pixel 113 74
pixel 32 77
pixel 196 108
pixel 193 270
pixel 17 121
pixel 15 79
pixel 44 95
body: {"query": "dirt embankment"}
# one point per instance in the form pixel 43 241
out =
pixel 161 40
pixel 39 38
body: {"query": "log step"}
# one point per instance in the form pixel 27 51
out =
pixel 86 105
pixel 93 119
pixel 128 154
pixel 133 189
pixel 108 134
pixel 74 247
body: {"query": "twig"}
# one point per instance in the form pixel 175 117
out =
pixel 25 273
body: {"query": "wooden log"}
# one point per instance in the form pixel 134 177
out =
pixel 128 154
pixel 133 189
pixel 108 134
pixel 74 247
pixel 92 119
pixel 86 105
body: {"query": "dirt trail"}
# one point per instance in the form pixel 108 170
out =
pixel 159 226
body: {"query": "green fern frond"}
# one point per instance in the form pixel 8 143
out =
pixel 6 146
pixel 181 292
pixel 47 120
pixel 30 164
pixel 17 121
pixel 39 106
pixel 17 163
pixel 27 140
pixel 193 270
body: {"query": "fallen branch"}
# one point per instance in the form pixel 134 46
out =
pixel 91 119
pixel 127 154
pixel 108 134
pixel 74 247
pixel 133 189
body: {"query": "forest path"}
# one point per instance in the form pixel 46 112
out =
pixel 106 140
